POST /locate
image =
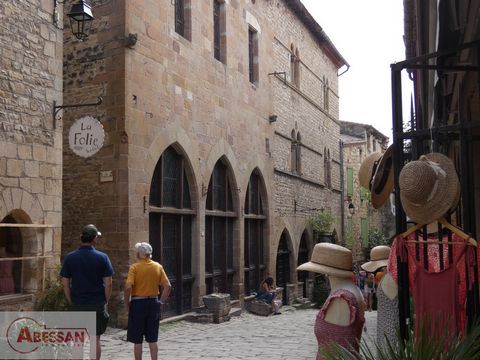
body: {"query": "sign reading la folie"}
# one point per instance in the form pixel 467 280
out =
pixel 86 136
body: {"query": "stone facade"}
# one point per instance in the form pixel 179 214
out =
pixel 359 141
pixel 167 91
pixel 30 146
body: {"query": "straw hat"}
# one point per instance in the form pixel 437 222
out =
pixel 378 258
pixel 382 182
pixel 367 169
pixel 429 187
pixel 330 259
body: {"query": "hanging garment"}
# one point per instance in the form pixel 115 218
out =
pixel 387 317
pixel 346 336
pixel 416 261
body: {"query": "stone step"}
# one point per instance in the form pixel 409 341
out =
pixel 235 311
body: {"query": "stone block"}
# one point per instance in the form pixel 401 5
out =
pixel 15 168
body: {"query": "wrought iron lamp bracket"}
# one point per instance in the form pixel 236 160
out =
pixel 57 108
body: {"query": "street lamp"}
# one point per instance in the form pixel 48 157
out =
pixel 351 208
pixel 80 19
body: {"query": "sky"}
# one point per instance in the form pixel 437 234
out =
pixel 369 35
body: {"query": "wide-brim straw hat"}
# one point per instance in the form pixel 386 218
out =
pixel 429 188
pixel 382 182
pixel 378 258
pixel 367 169
pixel 330 259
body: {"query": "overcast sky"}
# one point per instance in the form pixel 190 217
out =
pixel 369 35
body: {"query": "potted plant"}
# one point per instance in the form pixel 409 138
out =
pixel 322 223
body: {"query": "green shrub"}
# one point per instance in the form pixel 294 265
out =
pixel 321 222
pixel 320 291
pixel 52 298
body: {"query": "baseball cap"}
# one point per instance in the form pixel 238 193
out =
pixel 89 231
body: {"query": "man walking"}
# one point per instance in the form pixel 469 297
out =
pixel 87 280
pixel 144 280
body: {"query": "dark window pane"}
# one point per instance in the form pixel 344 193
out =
pixel 170 239
pixel 155 190
pixel 216 29
pixel 171 178
pixel 187 245
pixel 208 244
pixel 219 244
pixel 155 236
pixel 180 17
pixel 251 55
pixel 187 203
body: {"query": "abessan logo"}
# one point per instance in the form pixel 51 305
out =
pixel 26 335
pixel 46 335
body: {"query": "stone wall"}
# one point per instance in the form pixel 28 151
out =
pixel 167 90
pixel 381 219
pixel 30 139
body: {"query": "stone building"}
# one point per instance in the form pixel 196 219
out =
pixel 359 141
pixel 221 137
pixel 30 149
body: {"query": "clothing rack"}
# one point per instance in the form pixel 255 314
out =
pixel 421 134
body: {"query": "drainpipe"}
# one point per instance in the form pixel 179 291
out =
pixel 342 193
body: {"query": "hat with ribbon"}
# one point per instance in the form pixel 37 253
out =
pixel 378 258
pixel 330 259
pixel 367 169
pixel 429 187
pixel 382 181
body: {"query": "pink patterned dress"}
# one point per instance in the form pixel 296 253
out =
pixel 346 336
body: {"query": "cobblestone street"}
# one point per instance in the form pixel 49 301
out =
pixel 288 336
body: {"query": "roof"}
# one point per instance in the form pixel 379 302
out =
pixel 358 130
pixel 316 30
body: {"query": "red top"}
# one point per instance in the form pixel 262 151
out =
pixel 449 285
pixel 346 336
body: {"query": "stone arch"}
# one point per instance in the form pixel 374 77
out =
pixel 285 263
pixel 19 206
pixel 176 137
pixel 223 151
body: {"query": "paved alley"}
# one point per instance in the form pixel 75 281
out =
pixel 288 336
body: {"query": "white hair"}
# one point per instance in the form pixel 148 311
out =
pixel 144 250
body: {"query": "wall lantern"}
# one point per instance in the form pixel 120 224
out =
pixel 351 208
pixel 80 19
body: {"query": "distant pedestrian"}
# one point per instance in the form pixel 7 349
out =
pixel 145 277
pixel 87 280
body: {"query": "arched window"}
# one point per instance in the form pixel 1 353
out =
pixel 283 265
pixel 219 221
pixel 326 91
pixel 296 153
pixel 10 246
pixel 254 235
pixel 171 216
pixel 294 66
pixel 329 169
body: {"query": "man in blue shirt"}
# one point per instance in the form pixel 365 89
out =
pixel 87 279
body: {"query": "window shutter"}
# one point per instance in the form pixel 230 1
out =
pixel 349 182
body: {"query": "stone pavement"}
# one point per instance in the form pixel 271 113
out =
pixel 288 336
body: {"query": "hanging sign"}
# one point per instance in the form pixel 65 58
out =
pixel 86 136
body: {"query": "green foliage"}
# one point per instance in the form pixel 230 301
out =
pixel 321 289
pixel 321 222
pixel 422 346
pixel 375 238
pixel 52 298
